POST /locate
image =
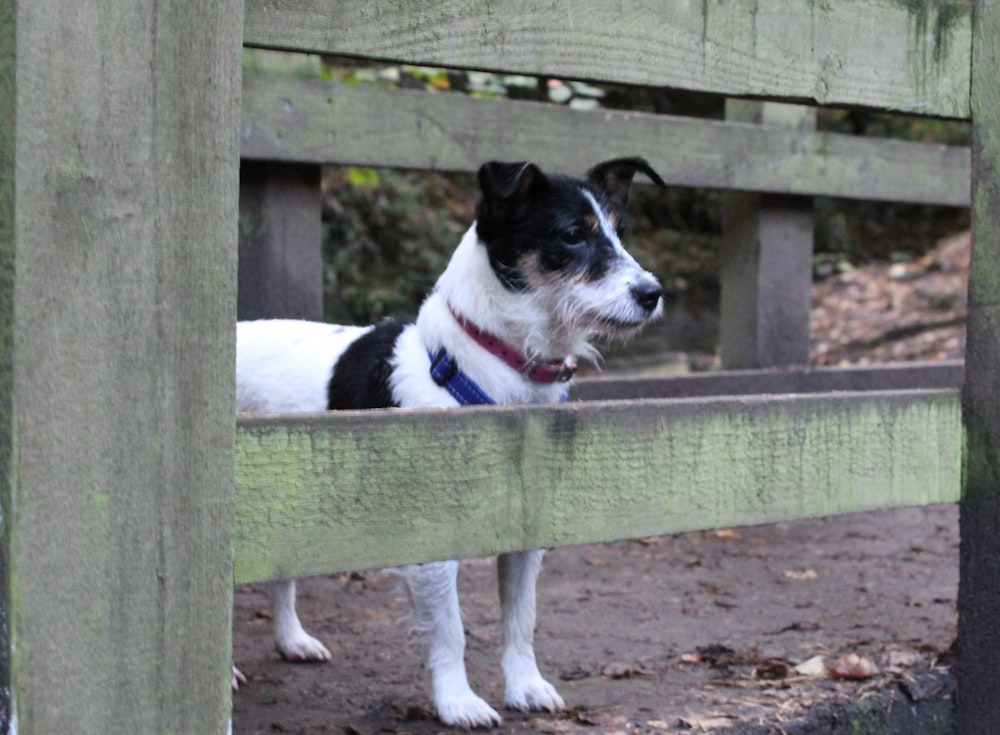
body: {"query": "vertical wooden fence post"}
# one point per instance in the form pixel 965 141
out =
pixel 766 261
pixel 8 120
pixel 978 708
pixel 281 241
pixel 118 188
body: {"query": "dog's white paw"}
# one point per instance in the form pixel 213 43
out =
pixel 455 702
pixel 237 678
pixel 525 689
pixel 532 694
pixel 465 709
pixel 300 646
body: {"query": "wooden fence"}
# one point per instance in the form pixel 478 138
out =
pixel 129 505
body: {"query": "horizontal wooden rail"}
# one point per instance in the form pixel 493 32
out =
pixel 907 56
pixel 350 490
pixel 311 121
pixel 898 376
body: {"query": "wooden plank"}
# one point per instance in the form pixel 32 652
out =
pixel 907 56
pixel 899 376
pixel 311 121
pixel 350 490
pixel 979 584
pixel 119 208
pixel 281 242
pixel 765 279
pixel 766 261
pixel 8 248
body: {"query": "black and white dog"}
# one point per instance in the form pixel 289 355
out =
pixel 540 273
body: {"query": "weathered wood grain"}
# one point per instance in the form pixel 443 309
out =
pixel 909 56
pixel 311 121
pixel 281 242
pixel 118 248
pixel 353 490
pixel 979 585
pixel 8 248
pixel 766 261
pixel 893 376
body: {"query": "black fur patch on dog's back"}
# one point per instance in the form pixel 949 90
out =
pixel 361 376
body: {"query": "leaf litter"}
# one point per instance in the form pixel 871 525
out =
pixel 816 612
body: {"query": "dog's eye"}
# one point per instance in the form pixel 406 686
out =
pixel 573 236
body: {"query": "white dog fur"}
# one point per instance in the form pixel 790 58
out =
pixel 544 270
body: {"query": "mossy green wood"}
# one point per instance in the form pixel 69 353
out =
pixel 979 585
pixel 118 163
pixel 906 55
pixel 311 121
pixel 349 490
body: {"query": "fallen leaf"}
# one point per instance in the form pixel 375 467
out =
pixel 690 658
pixel 598 718
pixel 727 533
pixel 553 727
pixel 814 667
pixel 657 725
pixel 903 658
pixel 853 666
pixel 800 575
pixel 622 670
pixel 772 668
pixel 719 656
pixel 714 589
pixel 574 674
pixel 707 722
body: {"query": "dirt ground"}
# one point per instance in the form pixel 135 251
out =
pixel 692 633
pixel 785 628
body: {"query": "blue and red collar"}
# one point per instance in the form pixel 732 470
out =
pixel 446 373
pixel 553 371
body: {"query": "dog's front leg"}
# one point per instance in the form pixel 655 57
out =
pixel 433 591
pixel 290 638
pixel 525 688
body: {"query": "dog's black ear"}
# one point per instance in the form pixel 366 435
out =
pixel 506 188
pixel 505 181
pixel 614 178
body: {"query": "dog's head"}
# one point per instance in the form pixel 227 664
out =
pixel 559 240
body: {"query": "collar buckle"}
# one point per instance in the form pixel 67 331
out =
pixel 443 368
pixel 547 372
pixel 566 371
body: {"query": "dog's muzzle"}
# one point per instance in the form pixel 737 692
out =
pixel 647 294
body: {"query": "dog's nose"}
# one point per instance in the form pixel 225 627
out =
pixel 647 294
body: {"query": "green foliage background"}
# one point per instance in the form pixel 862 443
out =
pixel 388 234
